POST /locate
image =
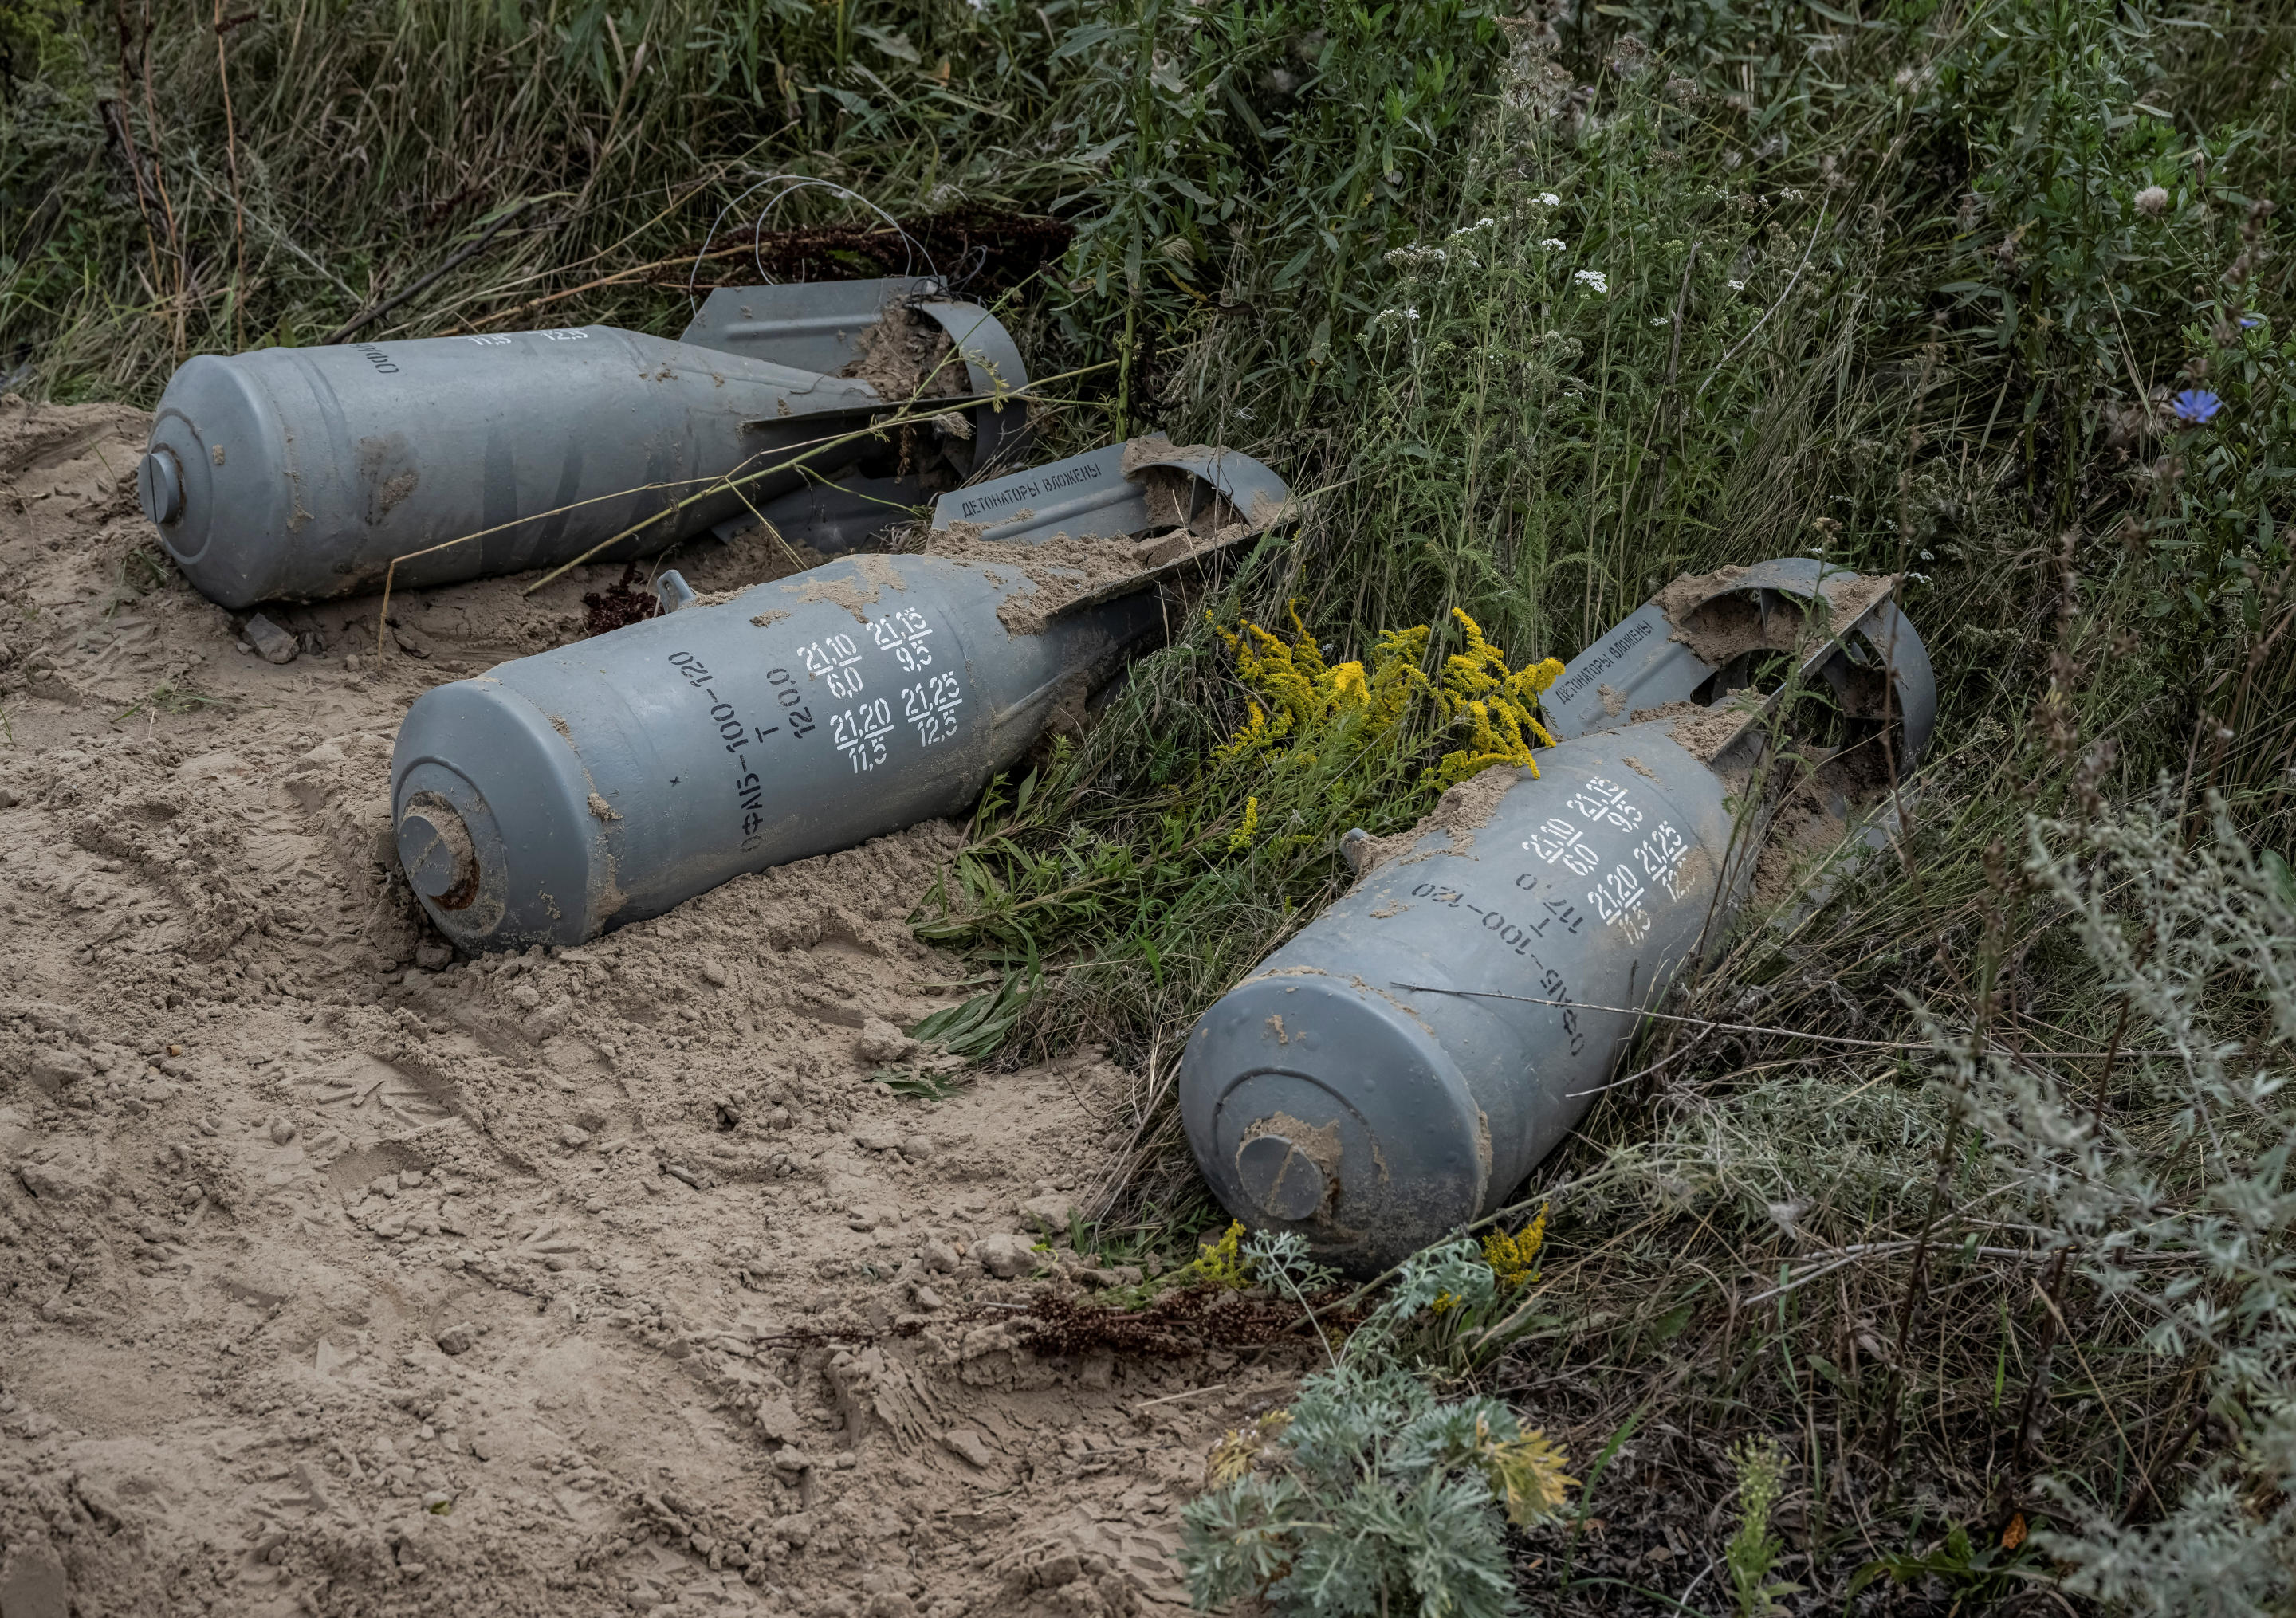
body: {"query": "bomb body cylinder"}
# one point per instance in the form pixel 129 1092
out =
pixel 610 779
pixel 300 474
pixel 1395 1070
pixel 1403 1062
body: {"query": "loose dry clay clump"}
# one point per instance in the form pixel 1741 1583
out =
pixel 338 1275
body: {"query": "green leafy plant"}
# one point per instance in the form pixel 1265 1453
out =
pixel 1754 1548
pixel 976 1027
pixel 170 697
pixel 1372 1493
pixel 1974 1569
pixel 916 1086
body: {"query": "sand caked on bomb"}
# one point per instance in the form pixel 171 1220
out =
pixel 301 474
pixel 1398 1066
pixel 608 780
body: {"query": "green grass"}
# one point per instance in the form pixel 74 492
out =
pixel 1877 284
pixel 170 699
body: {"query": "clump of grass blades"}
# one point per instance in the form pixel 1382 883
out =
pixel 362 146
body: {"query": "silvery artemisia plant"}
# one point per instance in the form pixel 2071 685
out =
pixel 2201 939
pixel 1371 1494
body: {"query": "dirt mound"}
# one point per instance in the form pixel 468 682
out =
pixel 339 1276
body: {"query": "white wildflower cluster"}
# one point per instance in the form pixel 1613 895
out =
pixel 1556 244
pixel 1406 317
pixel 1594 281
pixel 1415 257
pixel 1461 242
pixel 1735 286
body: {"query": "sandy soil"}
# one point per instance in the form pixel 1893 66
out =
pixel 338 1276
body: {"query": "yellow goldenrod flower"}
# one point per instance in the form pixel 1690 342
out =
pixel 1515 1259
pixel 1360 702
pixel 1308 697
pixel 1394 676
pixel 1242 839
pixel 1222 1263
pixel 1526 1472
pixel 1496 703
pixel 1256 736
pixel 1290 676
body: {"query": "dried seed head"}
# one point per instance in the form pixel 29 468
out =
pixel 2152 201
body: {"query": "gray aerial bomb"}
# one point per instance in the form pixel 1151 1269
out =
pixel 1398 1067
pixel 300 474
pixel 562 794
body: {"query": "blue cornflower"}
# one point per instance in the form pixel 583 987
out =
pixel 2195 405
pixel 2250 323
